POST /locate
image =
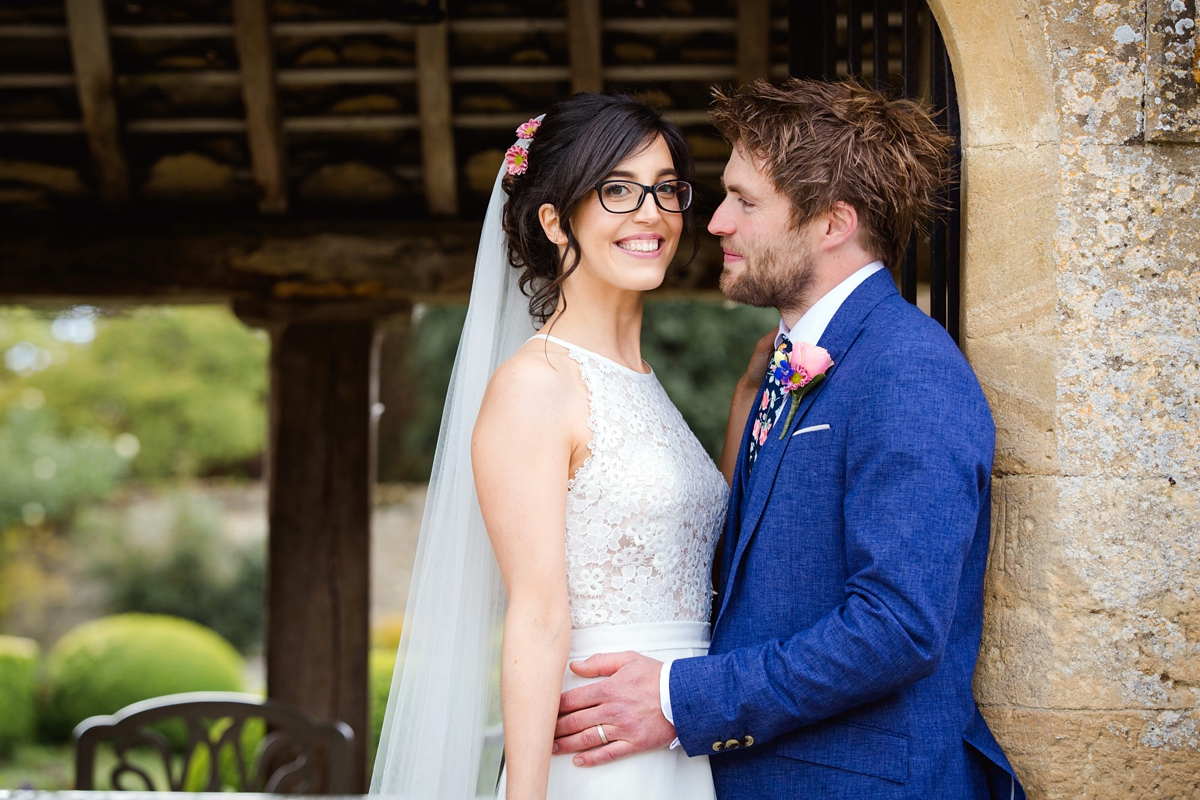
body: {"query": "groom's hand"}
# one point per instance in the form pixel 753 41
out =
pixel 627 705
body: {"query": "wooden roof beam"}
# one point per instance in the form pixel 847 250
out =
pixel 88 30
pixel 435 113
pixel 329 267
pixel 584 45
pixel 753 41
pixel 264 128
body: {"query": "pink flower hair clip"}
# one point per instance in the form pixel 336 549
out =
pixel 516 159
pixel 528 129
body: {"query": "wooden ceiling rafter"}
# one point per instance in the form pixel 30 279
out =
pixel 264 131
pixel 87 27
pixel 584 45
pixel 753 41
pixel 319 28
pixel 435 114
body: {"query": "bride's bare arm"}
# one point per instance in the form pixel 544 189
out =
pixel 521 452
pixel 744 393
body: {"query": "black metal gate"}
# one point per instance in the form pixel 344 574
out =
pixel 906 55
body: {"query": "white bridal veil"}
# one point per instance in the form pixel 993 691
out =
pixel 447 668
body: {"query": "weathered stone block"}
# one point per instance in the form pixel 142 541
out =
pixel 1008 295
pixel 1101 755
pixel 1099 53
pixel 1091 595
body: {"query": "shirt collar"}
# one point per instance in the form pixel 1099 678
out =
pixel 810 327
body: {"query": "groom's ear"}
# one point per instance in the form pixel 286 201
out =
pixel 548 216
pixel 841 224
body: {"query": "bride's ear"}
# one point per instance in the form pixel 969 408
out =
pixel 548 216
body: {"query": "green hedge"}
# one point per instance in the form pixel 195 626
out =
pixel 18 691
pixel 104 665
pixel 380 667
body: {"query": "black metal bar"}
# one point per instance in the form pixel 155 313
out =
pixel 812 39
pixel 879 48
pixel 829 51
pixel 954 224
pixel 854 39
pixel 799 39
pixel 912 46
pixel 908 271
pixel 910 58
pixel 937 239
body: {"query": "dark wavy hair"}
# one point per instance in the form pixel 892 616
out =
pixel 581 140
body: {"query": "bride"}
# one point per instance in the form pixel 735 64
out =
pixel 601 508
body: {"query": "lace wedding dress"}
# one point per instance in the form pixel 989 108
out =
pixel 643 515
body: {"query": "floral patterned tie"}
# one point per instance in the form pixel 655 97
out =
pixel 768 411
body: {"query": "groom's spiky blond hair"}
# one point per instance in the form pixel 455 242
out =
pixel 821 142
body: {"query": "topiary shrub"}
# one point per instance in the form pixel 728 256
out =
pixel 18 686
pixel 104 665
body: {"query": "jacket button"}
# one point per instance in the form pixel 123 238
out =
pixel 747 741
pixel 717 747
pixel 732 744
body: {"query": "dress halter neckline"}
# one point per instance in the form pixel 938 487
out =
pixel 597 356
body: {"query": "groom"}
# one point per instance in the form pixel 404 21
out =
pixel 849 600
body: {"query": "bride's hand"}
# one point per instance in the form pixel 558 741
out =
pixel 743 401
pixel 760 360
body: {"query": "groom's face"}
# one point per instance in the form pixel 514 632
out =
pixel 768 260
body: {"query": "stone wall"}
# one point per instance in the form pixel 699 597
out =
pixel 1082 289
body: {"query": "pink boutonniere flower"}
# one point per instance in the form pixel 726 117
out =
pixel 800 372
pixel 516 160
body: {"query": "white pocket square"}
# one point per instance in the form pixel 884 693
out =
pixel 811 429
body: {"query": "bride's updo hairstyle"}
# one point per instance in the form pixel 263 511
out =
pixel 581 140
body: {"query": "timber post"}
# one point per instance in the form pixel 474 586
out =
pixel 320 474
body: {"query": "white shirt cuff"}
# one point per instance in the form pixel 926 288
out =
pixel 664 696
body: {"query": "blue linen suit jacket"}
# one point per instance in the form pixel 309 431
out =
pixel 850 590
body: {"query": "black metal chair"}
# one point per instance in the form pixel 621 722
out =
pixel 299 753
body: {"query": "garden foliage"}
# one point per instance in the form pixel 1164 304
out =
pixel 380 668
pixel 187 383
pixel 191 571
pixel 104 665
pixel 18 692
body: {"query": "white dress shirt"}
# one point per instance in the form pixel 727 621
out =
pixel 809 328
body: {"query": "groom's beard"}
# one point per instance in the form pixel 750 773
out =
pixel 773 275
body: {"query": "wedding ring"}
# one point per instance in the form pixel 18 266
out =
pixel 600 730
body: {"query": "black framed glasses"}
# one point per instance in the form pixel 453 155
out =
pixel 625 197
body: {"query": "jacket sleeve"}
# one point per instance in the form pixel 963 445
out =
pixel 918 458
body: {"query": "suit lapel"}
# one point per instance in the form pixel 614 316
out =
pixel 839 336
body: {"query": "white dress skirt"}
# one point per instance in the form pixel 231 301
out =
pixel 659 774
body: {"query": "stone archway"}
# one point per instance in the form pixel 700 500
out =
pixel 1011 179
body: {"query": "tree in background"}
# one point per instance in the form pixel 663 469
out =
pixel 183 386
pixel 88 399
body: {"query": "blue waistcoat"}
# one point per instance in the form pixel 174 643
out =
pixel 850 590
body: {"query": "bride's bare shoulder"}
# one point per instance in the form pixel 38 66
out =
pixel 540 378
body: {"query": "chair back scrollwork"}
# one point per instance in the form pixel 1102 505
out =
pixel 233 741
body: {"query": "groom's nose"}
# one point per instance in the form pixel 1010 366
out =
pixel 722 221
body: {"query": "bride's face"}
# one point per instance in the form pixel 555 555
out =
pixel 630 251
